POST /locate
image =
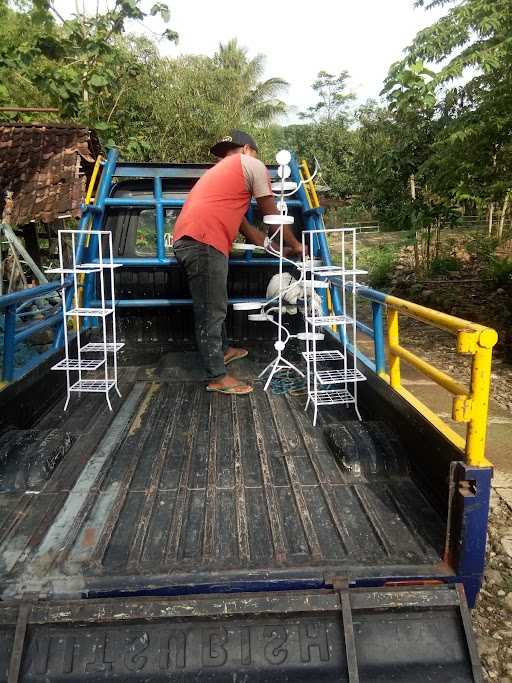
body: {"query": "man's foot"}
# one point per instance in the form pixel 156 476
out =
pixel 229 385
pixel 233 353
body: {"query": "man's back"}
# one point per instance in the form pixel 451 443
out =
pixel 217 203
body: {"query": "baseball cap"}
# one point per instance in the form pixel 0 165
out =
pixel 235 139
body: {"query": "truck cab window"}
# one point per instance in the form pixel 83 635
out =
pixel 145 240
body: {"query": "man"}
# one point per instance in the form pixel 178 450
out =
pixel 206 228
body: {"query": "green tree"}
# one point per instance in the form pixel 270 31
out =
pixel 256 100
pixel 182 105
pixel 472 155
pixel 325 133
pixel 334 100
pixel 81 65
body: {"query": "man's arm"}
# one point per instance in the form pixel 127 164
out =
pixel 267 205
pixel 252 234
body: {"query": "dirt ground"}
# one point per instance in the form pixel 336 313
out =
pixel 492 618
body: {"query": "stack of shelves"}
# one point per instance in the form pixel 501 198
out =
pixel 108 346
pixel 331 378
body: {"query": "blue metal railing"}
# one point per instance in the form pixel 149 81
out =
pixel 13 335
pixel 313 220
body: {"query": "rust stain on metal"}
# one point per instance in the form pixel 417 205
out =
pixel 211 490
pixel 241 510
pixel 325 487
pixel 305 517
pixel 173 542
pixel 137 420
pixel 89 537
pixel 159 413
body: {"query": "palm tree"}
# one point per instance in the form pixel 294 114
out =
pixel 257 100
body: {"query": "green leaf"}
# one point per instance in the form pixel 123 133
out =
pixel 170 35
pixel 98 81
pixel 162 9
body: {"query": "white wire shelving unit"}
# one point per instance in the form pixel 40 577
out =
pixel 335 383
pixel 272 309
pixel 106 363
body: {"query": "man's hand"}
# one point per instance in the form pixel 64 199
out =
pixel 295 250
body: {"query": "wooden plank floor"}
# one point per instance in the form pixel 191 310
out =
pixel 186 485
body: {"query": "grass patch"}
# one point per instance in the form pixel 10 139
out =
pixel 501 271
pixel 378 259
pixel 444 264
pixel 380 262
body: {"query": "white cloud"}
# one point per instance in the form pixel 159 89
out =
pixel 299 39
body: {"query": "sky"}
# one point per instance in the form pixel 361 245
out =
pixel 363 37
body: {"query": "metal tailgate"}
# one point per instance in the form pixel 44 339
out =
pixel 384 634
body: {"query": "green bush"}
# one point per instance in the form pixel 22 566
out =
pixel 380 263
pixel 501 271
pixel 444 264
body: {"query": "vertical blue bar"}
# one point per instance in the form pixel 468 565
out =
pixel 378 337
pixel 159 219
pixel 326 258
pixel 314 222
pixel 9 343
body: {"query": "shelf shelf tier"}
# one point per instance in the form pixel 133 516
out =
pixel 95 347
pixel 327 397
pixel 79 364
pixel 340 376
pixel 328 320
pixel 94 386
pixel 322 356
pixel 90 312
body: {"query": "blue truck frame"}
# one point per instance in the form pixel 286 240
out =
pixel 466 550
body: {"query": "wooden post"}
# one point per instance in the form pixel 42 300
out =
pixel 32 242
pixel 502 217
pixel 491 213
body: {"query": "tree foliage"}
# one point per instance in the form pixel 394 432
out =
pixel 149 106
pixel 334 100
pixel 77 65
pixel 181 105
pixel 447 120
pixel 472 45
pixel 440 138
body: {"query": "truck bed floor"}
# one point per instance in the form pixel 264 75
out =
pixel 178 486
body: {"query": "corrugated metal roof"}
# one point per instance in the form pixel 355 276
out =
pixel 44 170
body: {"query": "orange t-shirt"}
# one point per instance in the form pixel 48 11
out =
pixel 213 211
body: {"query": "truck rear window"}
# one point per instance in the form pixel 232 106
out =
pixel 145 240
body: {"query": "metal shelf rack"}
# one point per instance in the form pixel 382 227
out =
pixel 108 346
pixel 337 383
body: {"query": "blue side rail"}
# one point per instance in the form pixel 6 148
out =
pixel 11 306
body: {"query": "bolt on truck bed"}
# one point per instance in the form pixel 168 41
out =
pixel 192 536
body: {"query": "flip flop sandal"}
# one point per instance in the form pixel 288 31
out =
pixel 241 355
pixel 232 390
